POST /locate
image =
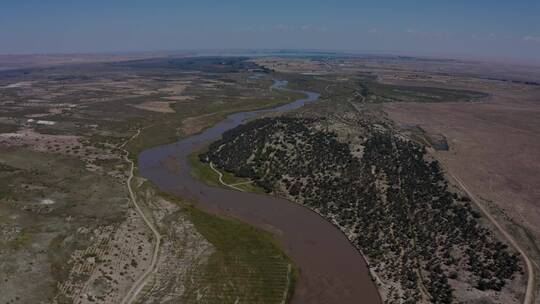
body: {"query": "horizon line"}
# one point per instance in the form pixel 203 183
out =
pixel 269 51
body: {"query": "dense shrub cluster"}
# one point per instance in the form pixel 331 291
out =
pixel 393 204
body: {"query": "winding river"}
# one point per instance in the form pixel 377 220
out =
pixel 331 269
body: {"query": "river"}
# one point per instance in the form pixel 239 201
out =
pixel 331 269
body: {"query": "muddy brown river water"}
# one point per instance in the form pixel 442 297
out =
pixel 331 269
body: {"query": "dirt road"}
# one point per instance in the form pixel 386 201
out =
pixel 220 176
pixel 132 294
pixel 529 292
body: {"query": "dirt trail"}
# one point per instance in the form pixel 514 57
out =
pixel 220 176
pixel 529 292
pixel 143 279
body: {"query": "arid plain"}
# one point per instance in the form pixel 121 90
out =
pixel 80 222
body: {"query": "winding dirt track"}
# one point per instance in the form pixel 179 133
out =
pixel 143 279
pixel 529 292
pixel 220 176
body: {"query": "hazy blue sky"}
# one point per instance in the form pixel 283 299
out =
pixel 492 28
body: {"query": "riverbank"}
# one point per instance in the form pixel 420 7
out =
pixel 327 260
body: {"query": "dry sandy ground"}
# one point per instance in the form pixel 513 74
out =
pixel 183 252
pixel 59 144
pixel 494 149
pixel 28 138
pixel 109 267
pixel 120 254
pixel 174 94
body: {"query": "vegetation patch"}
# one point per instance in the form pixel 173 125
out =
pixel 246 267
pixel 364 88
pixel 8 128
pixel 203 172
pixel 392 203
pixel 384 92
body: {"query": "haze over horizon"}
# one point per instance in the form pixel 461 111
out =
pixel 479 29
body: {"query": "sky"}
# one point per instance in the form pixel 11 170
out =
pixel 457 28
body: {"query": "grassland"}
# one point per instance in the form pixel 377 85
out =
pixel 377 92
pixel 166 129
pixel 212 259
pixel 246 267
pixel 365 88
pixel 203 172
pixel 49 208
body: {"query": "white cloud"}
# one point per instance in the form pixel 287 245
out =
pixel 285 28
pixel 425 34
pixel 307 27
pixel 281 27
pixel 531 38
